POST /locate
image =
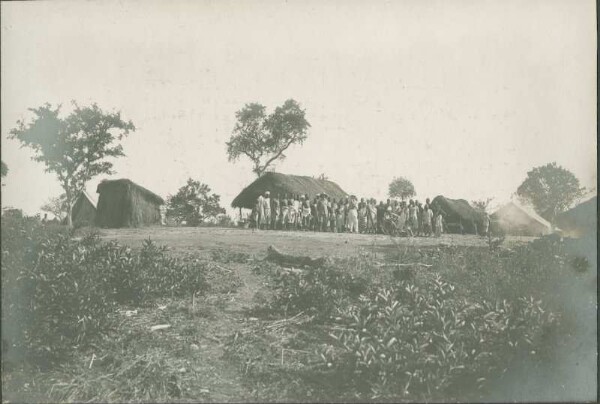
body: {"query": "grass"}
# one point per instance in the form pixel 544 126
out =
pixel 236 343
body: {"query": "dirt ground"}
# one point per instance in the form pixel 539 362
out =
pixel 198 239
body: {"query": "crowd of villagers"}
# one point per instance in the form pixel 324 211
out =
pixel 325 214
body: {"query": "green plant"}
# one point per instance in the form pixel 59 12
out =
pixel 406 341
pixel 317 292
pixel 58 292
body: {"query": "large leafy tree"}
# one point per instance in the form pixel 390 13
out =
pixel 402 188
pixel 75 148
pixel 193 203
pixel 264 139
pixel 551 189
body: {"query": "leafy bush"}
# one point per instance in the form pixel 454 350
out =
pixel 403 340
pixel 317 292
pixel 58 292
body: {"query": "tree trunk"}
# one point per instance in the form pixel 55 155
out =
pixel 70 215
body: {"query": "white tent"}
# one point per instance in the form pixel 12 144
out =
pixel 516 219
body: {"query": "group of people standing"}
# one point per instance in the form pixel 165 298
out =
pixel 327 214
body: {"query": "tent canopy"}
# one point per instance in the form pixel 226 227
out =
pixel 517 219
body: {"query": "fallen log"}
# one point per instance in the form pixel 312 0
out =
pixel 273 254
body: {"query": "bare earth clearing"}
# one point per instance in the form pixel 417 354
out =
pixel 203 239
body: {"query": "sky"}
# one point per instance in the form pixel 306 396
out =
pixel 461 97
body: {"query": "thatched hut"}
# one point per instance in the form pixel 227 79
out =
pixel 460 217
pixel 123 203
pixel 282 184
pixel 84 210
pixel 581 220
pixel 518 220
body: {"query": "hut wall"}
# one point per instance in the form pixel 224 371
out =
pixel 84 213
pixel 125 205
pixel 112 207
pixel 141 212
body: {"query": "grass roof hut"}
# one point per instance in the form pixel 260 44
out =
pixel 123 203
pixel 460 217
pixel 282 184
pixel 84 210
pixel 518 220
pixel 581 220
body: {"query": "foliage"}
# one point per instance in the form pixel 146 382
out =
pixel 3 169
pixel 60 290
pixel 193 204
pixel 75 148
pixel 402 188
pixel 227 256
pixel 482 204
pixel 264 139
pixel 315 292
pixel 551 189
pixel 57 206
pixel 403 340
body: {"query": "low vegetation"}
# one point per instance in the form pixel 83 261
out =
pixel 60 291
pixel 405 324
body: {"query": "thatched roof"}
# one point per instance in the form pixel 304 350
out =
pixel 124 183
pixel 278 183
pixel 458 211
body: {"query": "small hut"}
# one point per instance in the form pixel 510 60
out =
pixel 460 217
pixel 581 220
pixel 518 220
pixel 281 184
pixel 84 210
pixel 123 203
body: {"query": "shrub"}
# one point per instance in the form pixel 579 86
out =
pixel 58 292
pixel 317 292
pixel 52 299
pixel 427 343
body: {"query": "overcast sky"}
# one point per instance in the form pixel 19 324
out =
pixel 461 97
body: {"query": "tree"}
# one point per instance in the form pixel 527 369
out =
pixel 481 205
pixel 3 170
pixel 401 188
pixel 75 148
pixel 56 206
pixel 193 203
pixel 551 189
pixel 264 139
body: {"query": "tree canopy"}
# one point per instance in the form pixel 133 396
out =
pixel 57 206
pixel 3 169
pixel 264 139
pixel 193 203
pixel 551 189
pixel 481 205
pixel 402 188
pixel 75 148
